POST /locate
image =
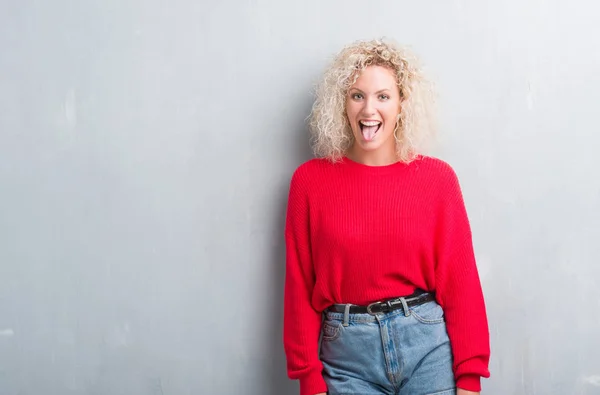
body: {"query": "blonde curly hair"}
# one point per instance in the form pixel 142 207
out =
pixel 331 134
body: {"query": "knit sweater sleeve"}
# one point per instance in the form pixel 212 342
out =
pixel 302 323
pixel 458 286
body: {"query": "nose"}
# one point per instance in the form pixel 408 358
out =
pixel 369 107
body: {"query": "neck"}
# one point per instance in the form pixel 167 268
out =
pixel 373 158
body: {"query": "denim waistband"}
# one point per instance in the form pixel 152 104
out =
pixel 365 317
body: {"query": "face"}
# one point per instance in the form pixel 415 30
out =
pixel 372 107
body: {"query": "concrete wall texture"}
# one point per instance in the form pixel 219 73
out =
pixel 145 154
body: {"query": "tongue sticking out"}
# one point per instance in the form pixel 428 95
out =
pixel 368 132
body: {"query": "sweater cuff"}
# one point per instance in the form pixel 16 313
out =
pixel 469 382
pixel 312 384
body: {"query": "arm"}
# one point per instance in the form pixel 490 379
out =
pixel 459 289
pixel 302 323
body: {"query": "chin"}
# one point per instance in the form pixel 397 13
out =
pixel 369 147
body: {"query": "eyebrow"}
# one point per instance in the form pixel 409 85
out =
pixel 379 91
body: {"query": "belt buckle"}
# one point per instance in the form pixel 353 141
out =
pixel 369 308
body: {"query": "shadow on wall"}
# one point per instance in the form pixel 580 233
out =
pixel 299 151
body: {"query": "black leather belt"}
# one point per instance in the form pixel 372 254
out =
pixel 417 298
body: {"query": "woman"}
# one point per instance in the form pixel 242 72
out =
pixel 380 266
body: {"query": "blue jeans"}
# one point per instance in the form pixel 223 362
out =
pixel 396 353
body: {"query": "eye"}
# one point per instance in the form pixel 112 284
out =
pixel 356 96
pixel 384 97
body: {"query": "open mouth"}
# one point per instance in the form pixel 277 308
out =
pixel 369 129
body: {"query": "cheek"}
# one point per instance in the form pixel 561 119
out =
pixel 351 113
pixel 391 114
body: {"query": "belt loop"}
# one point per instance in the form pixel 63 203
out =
pixel 405 307
pixel 346 315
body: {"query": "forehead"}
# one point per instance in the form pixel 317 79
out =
pixel 375 78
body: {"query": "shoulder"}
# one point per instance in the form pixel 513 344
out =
pixel 440 176
pixel 314 165
pixel 436 168
pixel 308 174
pixel 311 169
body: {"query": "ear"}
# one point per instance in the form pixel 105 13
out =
pixel 401 94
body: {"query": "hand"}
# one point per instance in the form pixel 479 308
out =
pixel 465 392
pixel 322 393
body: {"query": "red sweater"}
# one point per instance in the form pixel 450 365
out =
pixel 357 234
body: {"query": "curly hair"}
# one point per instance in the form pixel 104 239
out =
pixel 331 134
